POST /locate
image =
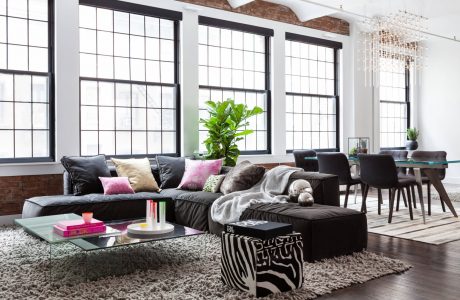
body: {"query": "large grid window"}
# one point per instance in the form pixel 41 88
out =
pixel 128 81
pixel 233 63
pixel 394 103
pixel 25 80
pixel 311 93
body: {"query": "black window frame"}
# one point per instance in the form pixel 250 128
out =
pixel 336 46
pixel 267 33
pixel 155 12
pixel 407 102
pixel 51 95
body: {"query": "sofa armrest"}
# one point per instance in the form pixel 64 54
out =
pixel 325 186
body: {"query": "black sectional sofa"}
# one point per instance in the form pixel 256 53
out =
pixel 328 230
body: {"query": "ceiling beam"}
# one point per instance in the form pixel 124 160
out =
pixel 238 3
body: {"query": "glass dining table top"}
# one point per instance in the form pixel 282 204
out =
pixel 407 161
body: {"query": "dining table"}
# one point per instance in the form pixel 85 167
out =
pixel 429 168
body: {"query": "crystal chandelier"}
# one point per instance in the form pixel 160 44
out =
pixel 390 41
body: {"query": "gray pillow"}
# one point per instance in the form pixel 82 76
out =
pixel 242 177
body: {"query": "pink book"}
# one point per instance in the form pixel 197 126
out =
pixel 79 231
pixel 76 224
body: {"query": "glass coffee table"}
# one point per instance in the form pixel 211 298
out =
pixel 115 236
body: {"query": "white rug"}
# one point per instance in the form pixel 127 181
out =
pixel 441 227
pixel 174 269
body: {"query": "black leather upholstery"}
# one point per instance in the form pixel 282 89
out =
pixel 430 155
pixel 301 162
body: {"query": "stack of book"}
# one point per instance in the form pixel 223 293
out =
pixel 259 229
pixel 69 228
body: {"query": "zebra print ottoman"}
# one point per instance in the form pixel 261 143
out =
pixel 262 267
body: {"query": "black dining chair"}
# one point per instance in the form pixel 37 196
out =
pixel 337 164
pixel 379 171
pixel 435 156
pixel 301 162
pixel 402 172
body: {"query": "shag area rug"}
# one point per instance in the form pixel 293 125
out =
pixel 187 268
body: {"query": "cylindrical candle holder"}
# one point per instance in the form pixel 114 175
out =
pixel 162 215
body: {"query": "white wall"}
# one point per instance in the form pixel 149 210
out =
pixel 353 121
pixel 439 109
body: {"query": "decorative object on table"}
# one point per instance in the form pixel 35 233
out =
pixel 358 145
pixel 412 136
pixel 87 217
pixel 259 229
pixel 226 126
pixel 116 185
pixel 197 172
pixel 155 220
pixel 85 226
pixel 213 183
pixel 85 172
pixel 262 267
pixel 242 177
pixel 139 173
pixel 305 199
pixel 297 187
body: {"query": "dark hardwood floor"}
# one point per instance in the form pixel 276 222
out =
pixel 435 272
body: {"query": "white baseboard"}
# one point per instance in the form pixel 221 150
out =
pixel 9 219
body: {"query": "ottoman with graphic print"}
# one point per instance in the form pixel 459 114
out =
pixel 262 267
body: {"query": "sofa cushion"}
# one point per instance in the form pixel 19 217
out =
pixel 104 207
pixel 171 170
pixel 85 172
pixel 173 193
pixel 242 177
pixel 139 173
pixel 197 172
pixel 191 209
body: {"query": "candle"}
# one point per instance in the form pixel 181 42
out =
pixel 87 217
pixel 162 215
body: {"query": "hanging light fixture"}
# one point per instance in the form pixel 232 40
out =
pixel 391 41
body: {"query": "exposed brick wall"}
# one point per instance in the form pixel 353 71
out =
pixel 276 12
pixel 14 189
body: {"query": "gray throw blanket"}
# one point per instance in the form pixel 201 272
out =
pixel 228 208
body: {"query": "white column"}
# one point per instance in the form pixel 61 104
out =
pixel 67 73
pixel 278 85
pixel 189 82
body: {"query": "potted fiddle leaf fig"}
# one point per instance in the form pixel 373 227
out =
pixel 412 136
pixel 225 126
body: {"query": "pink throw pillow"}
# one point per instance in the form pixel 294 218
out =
pixel 197 172
pixel 116 185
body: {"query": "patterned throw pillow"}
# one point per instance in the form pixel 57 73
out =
pixel 197 172
pixel 213 183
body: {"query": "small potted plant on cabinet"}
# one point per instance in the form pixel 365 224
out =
pixel 412 136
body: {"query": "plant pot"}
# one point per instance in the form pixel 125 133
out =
pixel 411 145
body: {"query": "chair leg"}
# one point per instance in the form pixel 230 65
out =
pixel 347 193
pixel 409 201
pixel 392 200
pixel 442 204
pixel 397 201
pixel 379 192
pixel 428 190
pixel 363 204
pixel 404 197
pixel 413 196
